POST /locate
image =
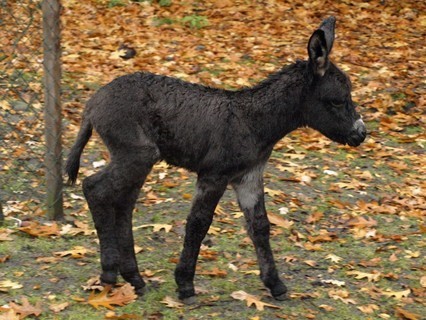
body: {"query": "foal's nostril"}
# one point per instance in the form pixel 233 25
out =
pixel 360 128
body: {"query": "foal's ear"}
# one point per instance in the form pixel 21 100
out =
pixel 318 53
pixel 328 26
pixel 320 45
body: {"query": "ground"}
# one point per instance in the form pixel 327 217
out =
pixel 348 223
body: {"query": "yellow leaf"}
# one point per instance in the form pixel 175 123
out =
pixel 7 284
pixel 250 300
pixel 397 294
pixel 326 307
pixel 333 258
pixel 274 193
pixel 412 254
pixel 423 281
pixel 372 277
pixel 369 308
pixel 156 227
pixel 171 303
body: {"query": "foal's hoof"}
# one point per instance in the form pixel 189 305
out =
pixel 141 291
pixel 189 300
pixel 281 297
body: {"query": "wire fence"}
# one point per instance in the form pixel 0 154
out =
pixel 30 144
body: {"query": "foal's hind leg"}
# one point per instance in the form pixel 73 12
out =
pixel 99 193
pixel 250 195
pixel 209 191
pixel 124 206
pixel 112 194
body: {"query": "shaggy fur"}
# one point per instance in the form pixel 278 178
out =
pixel 226 137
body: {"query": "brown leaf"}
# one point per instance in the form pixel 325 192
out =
pixel 279 221
pixel 214 273
pixel 58 307
pixel 112 315
pixel 372 277
pixel 8 314
pixel 4 235
pixel 314 217
pixel 26 309
pixel 250 299
pixel 361 222
pixel 77 252
pixel 3 259
pixel 36 230
pixel 120 296
pixel 369 308
pixel 342 295
pixel 404 314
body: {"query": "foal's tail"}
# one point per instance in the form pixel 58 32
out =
pixel 73 161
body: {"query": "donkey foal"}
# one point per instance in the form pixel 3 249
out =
pixel 226 137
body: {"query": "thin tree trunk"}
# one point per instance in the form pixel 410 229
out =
pixel 52 111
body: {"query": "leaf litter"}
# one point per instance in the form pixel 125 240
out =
pixel 363 209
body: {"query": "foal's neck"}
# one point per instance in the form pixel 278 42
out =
pixel 273 107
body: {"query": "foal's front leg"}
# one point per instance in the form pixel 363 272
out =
pixel 208 193
pixel 249 189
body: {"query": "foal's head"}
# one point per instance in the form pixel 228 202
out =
pixel 328 106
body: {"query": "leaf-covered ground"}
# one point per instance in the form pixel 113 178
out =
pixel 349 227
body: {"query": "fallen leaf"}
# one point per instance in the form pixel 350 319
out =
pixel 171 303
pixel 369 308
pixel 8 314
pixel 58 307
pixel 333 282
pixel 279 221
pixel 156 227
pixel 112 315
pixel 411 254
pixel 423 281
pixel 3 259
pixel 5 285
pixel 26 309
pixel 314 217
pixel 404 314
pixel 372 277
pixel 361 222
pixel 77 252
pixel 4 235
pixel 311 263
pixel 397 294
pixel 250 300
pixel 216 272
pixel 107 298
pixel 333 258
pixel 326 307
pixel 35 229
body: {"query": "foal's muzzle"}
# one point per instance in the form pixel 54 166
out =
pixel 357 134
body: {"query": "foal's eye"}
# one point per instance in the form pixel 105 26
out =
pixel 337 104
